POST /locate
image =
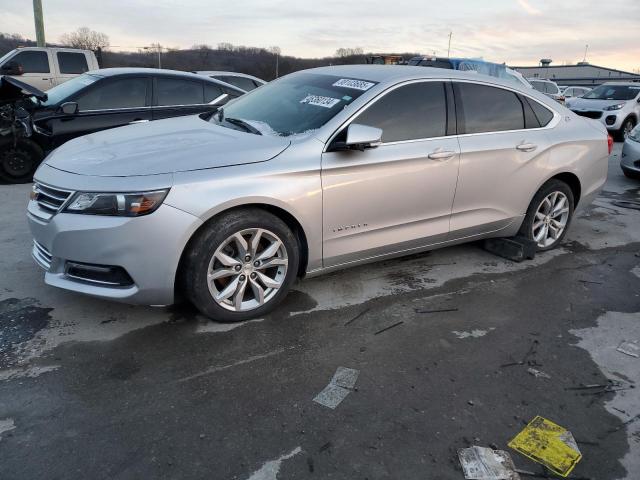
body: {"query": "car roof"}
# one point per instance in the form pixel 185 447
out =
pixel 399 73
pixel 623 84
pixel 157 72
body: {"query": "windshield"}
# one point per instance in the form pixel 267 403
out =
pixel 294 104
pixel 613 92
pixel 65 90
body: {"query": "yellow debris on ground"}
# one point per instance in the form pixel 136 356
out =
pixel 549 444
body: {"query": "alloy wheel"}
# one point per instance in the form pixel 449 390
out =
pixel 628 127
pixel 247 269
pixel 551 219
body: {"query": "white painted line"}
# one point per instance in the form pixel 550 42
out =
pixel 473 333
pixel 341 384
pixel 269 471
pixel 30 372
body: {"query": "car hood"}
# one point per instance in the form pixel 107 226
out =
pixel 164 146
pixel 588 104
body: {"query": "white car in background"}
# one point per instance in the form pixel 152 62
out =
pixel 549 88
pixel 241 80
pixel 615 104
pixel 571 92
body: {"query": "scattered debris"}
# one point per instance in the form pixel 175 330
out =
pixel 481 463
pixel 548 444
pixel 442 310
pixel 516 249
pixel 533 349
pixel 269 470
pixel 627 204
pixel 473 333
pixel 590 281
pixel 6 425
pixel 357 316
pixel 629 348
pixel 342 383
pixel 389 327
pixel 538 373
pixel 600 388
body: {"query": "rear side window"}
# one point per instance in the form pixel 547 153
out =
pixel 33 61
pixel 411 112
pixel 71 62
pixel 172 91
pixel 543 114
pixel 114 94
pixel 481 108
pixel 241 82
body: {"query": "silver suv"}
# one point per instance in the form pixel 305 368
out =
pixel 316 171
pixel 615 104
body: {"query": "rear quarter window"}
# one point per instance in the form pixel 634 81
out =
pixel 543 114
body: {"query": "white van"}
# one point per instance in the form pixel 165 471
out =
pixel 46 67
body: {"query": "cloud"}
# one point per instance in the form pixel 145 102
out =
pixel 529 8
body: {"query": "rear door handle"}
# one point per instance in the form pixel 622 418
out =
pixel 441 155
pixel 138 121
pixel 526 147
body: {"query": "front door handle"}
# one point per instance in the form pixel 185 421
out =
pixel 441 155
pixel 526 147
pixel 138 121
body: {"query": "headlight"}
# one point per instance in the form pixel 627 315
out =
pixel 116 204
pixel 614 107
pixel 635 134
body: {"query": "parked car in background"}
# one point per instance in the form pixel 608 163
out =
pixel 549 88
pixel 518 77
pixel 570 92
pixel 240 80
pixel 318 170
pixel 615 104
pixel 44 68
pixel 630 159
pixel 109 98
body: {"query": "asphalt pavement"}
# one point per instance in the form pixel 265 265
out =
pixel 440 345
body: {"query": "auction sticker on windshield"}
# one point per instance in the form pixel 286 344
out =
pixel 320 101
pixel 355 84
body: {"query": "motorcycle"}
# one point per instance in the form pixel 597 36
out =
pixel 20 155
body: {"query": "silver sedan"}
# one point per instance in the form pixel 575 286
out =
pixel 319 170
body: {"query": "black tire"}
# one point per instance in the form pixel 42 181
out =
pixel 202 247
pixel 627 126
pixel 553 185
pixel 631 174
pixel 19 161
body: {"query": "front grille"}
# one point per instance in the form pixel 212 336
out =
pixel 41 255
pixel 589 114
pixel 48 198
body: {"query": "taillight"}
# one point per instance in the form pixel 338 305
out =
pixel 610 143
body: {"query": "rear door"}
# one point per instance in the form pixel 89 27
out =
pixel 398 196
pixel 110 102
pixel 504 150
pixel 174 96
pixel 69 65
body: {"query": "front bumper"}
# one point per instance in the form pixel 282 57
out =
pixel 148 248
pixel 611 119
pixel 630 158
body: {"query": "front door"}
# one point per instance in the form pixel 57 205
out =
pixel 36 68
pixel 398 196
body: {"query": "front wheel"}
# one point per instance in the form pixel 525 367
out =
pixel 240 266
pixel 627 126
pixel 19 160
pixel 549 215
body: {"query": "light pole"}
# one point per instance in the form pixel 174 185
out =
pixel 449 48
pixel 39 21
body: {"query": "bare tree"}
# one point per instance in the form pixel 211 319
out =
pixel 348 52
pixel 85 38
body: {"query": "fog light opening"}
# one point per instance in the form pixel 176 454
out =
pixel 105 275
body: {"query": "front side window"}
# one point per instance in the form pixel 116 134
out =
pixel 410 112
pixel 33 61
pixel 72 62
pixel 614 92
pixel 481 108
pixel 173 91
pixel 61 93
pixel 113 94
pixel 294 104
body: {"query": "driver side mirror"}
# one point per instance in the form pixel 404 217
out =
pixel 69 108
pixel 12 68
pixel 360 137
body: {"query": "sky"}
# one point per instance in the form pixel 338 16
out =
pixel 518 32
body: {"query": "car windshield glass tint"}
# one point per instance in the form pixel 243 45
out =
pixel 614 92
pixel 295 104
pixel 65 90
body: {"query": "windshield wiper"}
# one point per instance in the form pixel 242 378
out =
pixel 241 123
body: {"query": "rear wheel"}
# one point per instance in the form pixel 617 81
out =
pixel 18 162
pixel 549 215
pixel 628 125
pixel 241 265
